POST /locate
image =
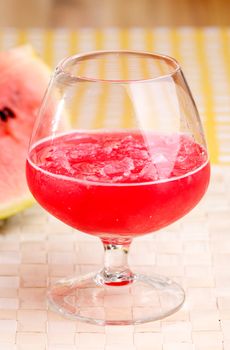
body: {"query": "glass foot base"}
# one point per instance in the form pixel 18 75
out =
pixel 146 299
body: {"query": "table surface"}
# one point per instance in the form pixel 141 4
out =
pixel 36 249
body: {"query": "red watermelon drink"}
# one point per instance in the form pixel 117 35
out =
pixel 117 185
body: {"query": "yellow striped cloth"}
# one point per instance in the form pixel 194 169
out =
pixel 204 55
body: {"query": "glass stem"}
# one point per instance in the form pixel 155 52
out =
pixel 116 271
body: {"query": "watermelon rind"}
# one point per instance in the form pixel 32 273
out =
pixel 16 206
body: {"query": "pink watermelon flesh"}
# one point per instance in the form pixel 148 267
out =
pixel 23 80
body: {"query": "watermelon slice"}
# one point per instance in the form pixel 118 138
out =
pixel 23 80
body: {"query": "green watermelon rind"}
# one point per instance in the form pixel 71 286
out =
pixel 16 206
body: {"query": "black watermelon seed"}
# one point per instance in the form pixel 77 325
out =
pixel 3 116
pixel 8 112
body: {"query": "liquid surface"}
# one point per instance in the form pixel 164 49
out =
pixel 120 158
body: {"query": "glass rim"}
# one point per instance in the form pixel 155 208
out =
pixel 87 55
